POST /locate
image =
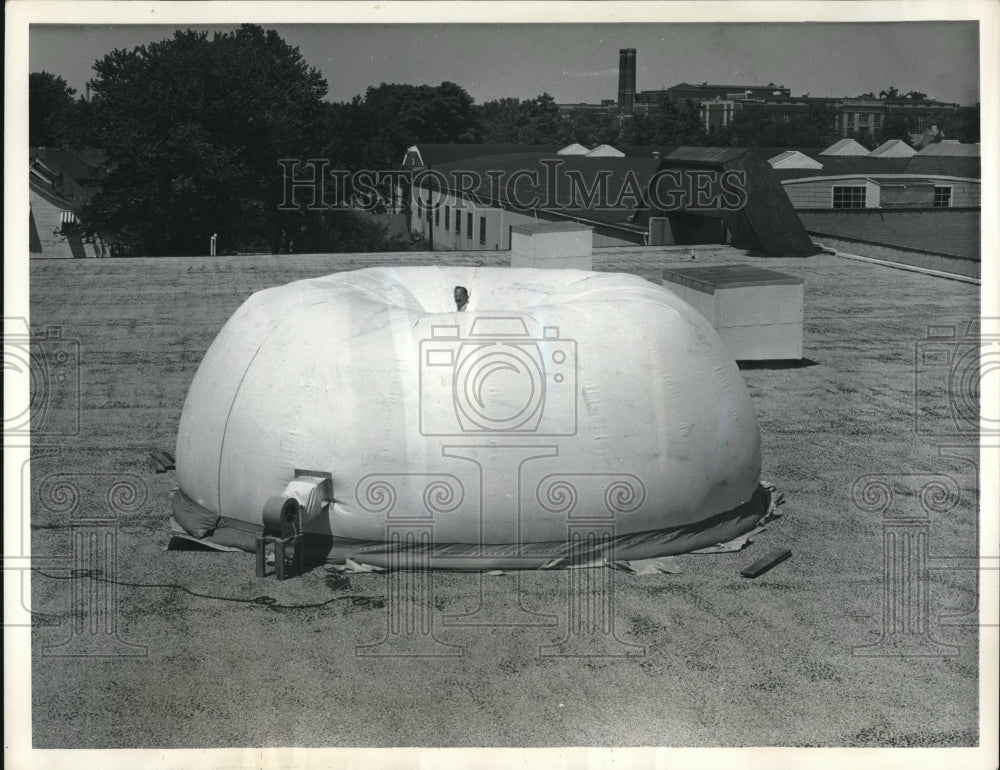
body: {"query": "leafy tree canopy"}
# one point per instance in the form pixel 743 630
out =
pixel 49 99
pixel 373 131
pixel 194 127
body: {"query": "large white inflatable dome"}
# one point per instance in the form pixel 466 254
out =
pixel 558 399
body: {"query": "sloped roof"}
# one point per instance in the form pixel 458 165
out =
pixel 793 159
pixel 590 170
pixel 710 155
pixel 605 151
pixel 845 147
pixel 766 221
pixel 966 167
pixel 647 150
pixel 894 148
pixel 54 198
pixel 82 166
pixel 905 180
pixel 573 149
pixel 951 149
pixel 924 232
pixel 847 166
pixel 766 153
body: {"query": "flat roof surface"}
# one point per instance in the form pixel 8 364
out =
pixel 549 227
pixel 712 277
pixel 855 437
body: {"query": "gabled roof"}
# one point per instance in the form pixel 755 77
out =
pixel 894 148
pixel 845 147
pixel 605 151
pixel 793 159
pixel 766 153
pixel 573 149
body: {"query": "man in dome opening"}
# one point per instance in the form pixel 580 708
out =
pixel 461 298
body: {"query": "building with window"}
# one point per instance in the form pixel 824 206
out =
pixel 718 104
pixel 943 175
pixel 609 191
pixel 893 203
pixel 59 183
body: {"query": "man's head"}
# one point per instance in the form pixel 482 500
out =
pixel 461 297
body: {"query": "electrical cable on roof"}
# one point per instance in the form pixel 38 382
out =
pixel 357 600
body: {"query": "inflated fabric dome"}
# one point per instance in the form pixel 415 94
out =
pixel 557 398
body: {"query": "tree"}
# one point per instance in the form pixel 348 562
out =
pixel 967 128
pixel 538 121
pixel 193 128
pixel 593 127
pixel 49 99
pixel 499 120
pixel 392 117
pixel 752 126
pixel 894 126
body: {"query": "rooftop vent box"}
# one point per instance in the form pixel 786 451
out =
pixel 552 245
pixel 757 312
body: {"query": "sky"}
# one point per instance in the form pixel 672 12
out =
pixel 579 62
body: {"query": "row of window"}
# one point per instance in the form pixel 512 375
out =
pixel 855 197
pixel 458 221
pixel 863 118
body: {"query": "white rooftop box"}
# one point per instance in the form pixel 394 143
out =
pixel 552 245
pixel 757 312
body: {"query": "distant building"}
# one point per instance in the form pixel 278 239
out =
pixel 59 183
pixel 718 104
pixel 920 208
pixel 550 185
pixel 626 80
pixel 943 175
